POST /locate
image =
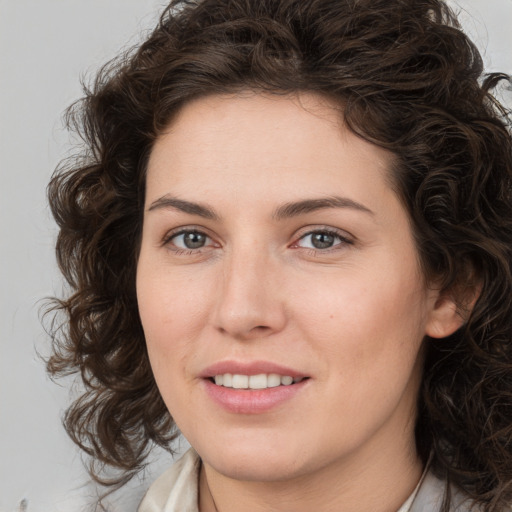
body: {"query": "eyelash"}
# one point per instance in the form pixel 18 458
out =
pixel 340 237
pixel 179 251
pixel 342 240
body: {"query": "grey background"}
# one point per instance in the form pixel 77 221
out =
pixel 45 46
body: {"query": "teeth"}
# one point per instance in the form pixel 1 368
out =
pixel 273 380
pixel 240 381
pixel 258 381
pixel 261 381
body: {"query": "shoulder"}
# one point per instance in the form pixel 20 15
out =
pixel 431 493
pixel 176 489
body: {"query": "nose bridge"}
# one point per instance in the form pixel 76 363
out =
pixel 249 301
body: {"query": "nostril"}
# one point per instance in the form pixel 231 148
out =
pixel 259 330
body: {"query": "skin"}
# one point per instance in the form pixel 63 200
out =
pixel 351 316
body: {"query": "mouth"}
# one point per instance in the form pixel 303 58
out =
pixel 253 387
pixel 254 382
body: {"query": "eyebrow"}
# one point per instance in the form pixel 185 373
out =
pixel 287 210
pixel 169 202
pixel 297 208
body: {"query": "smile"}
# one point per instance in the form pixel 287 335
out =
pixel 252 387
pixel 260 381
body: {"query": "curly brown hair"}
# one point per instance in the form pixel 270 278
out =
pixel 410 81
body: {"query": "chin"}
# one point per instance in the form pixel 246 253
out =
pixel 258 469
pixel 262 461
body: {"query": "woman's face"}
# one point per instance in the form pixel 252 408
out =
pixel 274 247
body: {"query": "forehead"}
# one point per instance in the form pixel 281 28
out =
pixel 267 145
pixel 243 115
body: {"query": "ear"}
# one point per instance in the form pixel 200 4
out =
pixel 450 310
pixel 444 318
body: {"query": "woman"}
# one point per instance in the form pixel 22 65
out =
pixel 290 239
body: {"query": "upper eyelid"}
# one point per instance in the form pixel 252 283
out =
pixel 168 235
pixel 308 230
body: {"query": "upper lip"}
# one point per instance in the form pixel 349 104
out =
pixel 249 368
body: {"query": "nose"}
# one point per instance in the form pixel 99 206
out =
pixel 250 303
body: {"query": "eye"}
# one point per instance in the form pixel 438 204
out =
pixel 189 239
pixel 321 239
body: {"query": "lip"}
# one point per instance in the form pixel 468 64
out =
pixel 245 401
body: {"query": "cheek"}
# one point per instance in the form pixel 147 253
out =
pixel 172 312
pixel 168 323
pixel 170 303
pixel 364 320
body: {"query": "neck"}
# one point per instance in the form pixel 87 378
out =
pixel 380 483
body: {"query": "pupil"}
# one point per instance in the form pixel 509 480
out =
pixel 194 240
pixel 322 240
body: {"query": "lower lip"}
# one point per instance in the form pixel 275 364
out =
pixel 248 401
